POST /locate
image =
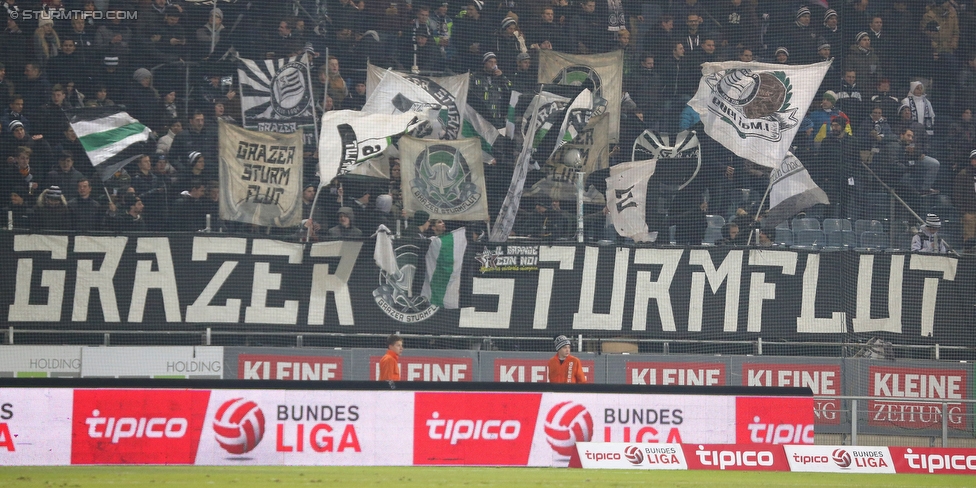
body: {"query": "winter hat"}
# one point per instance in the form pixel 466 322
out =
pixel 932 220
pixel 783 50
pixel 830 96
pixel 859 36
pixel 217 12
pixel 829 13
pixel 192 158
pixel 347 211
pixel 561 341
pixel 523 56
pixel 14 124
pixel 903 106
pixel 972 154
pixel 45 21
pixel 507 21
pixel 384 203
pixel 913 85
pixel 478 4
pixel 141 74
pixel 419 217
pixel 110 60
pixel 823 45
pixel 800 12
pixel 488 56
pixel 55 193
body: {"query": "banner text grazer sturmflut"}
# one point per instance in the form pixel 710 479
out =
pixel 167 282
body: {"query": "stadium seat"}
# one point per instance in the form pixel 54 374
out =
pixel 714 230
pixel 840 240
pixel 805 223
pixel 784 236
pixel 873 241
pixel 830 225
pixel 862 226
pixel 809 239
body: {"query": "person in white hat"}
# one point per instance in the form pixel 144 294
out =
pixel 927 238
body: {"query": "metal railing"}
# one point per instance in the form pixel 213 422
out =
pixel 873 349
pixel 944 414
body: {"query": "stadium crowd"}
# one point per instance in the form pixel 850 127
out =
pixel 899 97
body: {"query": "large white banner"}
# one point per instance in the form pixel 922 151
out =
pixel 604 71
pixel 755 109
pixel 627 196
pixel 444 178
pixel 260 176
pixel 350 137
pixel 445 96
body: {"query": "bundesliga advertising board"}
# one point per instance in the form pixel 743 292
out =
pixel 342 427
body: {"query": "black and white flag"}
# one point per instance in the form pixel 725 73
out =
pixel 276 94
pixel 791 190
pixel 626 197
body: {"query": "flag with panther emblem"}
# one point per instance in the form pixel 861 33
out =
pixel 444 178
pixel 755 109
pixel 276 94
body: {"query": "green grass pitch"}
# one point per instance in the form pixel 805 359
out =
pixel 361 477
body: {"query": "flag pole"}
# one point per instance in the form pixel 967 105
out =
pixel 902 202
pixel 758 210
pixel 311 214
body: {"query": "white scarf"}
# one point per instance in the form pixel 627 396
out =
pixel 921 108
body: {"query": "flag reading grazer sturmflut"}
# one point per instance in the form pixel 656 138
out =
pixel 755 109
pixel 110 136
pixel 444 259
pixel 791 190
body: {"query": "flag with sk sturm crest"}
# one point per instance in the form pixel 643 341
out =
pixel 276 94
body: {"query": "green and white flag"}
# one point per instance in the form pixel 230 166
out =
pixel 445 257
pixel 476 126
pixel 755 109
pixel 545 111
pixel 110 136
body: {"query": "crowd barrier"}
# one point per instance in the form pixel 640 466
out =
pixel 928 398
pixel 354 423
